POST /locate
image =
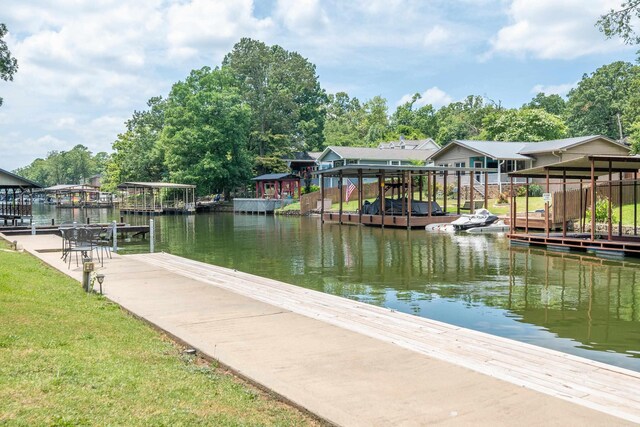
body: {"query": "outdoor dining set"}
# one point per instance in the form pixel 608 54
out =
pixel 84 240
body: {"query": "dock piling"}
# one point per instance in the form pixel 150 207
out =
pixel 152 230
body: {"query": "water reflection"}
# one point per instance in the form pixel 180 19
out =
pixel 577 304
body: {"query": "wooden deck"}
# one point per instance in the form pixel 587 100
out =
pixel 389 220
pixel 627 245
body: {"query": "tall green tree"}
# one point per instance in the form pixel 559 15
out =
pixel 527 124
pixel 414 123
pixel 206 132
pixel 463 119
pixel 597 106
pixel 376 120
pixel 79 163
pixel 8 64
pixel 285 97
pixel 137 154
pixel 344 122
pixel 553 104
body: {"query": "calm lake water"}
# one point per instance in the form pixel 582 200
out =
pixel 574 303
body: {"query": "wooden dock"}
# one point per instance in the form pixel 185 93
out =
pixel 357 364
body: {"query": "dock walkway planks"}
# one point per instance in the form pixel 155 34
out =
pixel 357 364
pixel 589 383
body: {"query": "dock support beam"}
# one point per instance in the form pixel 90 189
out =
pixel 593 199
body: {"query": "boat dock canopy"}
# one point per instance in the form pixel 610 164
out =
pixel 13 205
pixel 584 183
pixel 394 189
pixel 580 168
pixel 157 198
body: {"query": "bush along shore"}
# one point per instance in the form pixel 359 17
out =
pixel 71 358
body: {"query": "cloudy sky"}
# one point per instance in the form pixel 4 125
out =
pixel 86 65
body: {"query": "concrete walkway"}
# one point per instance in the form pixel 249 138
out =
pixel 356 364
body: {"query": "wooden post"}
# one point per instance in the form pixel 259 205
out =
pixel 341 197
pixel 360 196
pixel 635 204
pixel 546 206
pixel 620 206
pixel 410 196
pixel 593 200
pixel 321 182
pixel 402 193
pixel 429 209
pixel 486 190
pixel 512 222
pixel 382 197
pixel 526 208
pixel 471 191
pixel 444 201
pixel 421 177
pixel 581 218
pixel 564 204
pixel 609 223
pixel 459 191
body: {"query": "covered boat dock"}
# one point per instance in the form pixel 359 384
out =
pixel 401 183
pixel 15 197
pixel 79 196
pixel 157 198
pixel 589 185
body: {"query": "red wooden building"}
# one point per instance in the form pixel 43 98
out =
pixel 277 186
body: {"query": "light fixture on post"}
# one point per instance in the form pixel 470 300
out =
pixel 100 279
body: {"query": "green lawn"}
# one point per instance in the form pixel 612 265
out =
pixel 70 358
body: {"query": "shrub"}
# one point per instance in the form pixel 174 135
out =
pixel 309 189
pixel 535 190
pixel 602 211
pixel 503 197
pixel 521 191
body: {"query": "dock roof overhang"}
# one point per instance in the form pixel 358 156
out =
pixel 580 168
pixel 11 180
pixel 371 171
pixel 72 188
pixel 276 177
pixel 126 185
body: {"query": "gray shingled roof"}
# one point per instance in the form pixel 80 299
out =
pixel 496 149
pixel 365 153
pixel 559 144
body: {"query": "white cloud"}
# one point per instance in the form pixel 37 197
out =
pixel 560 89
pixel 552 29
pixel 302 16
pixel 211 26
pixel 433 96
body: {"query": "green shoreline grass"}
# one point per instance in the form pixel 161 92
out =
pixel 68 358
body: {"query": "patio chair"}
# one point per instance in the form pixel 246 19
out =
pixel 80 241
pixel 103 242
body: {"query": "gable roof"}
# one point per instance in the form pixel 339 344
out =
pixel 563 144
pixel 493 149
pixel 366 153
pixel 11 180
pixel 521 150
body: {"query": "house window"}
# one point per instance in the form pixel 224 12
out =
pixel 352 161
pixel 338 163
pixel 394 162
pixel 460 165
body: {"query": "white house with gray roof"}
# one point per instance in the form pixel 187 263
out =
pixel 512 156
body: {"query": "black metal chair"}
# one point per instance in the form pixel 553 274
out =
pixel 80 240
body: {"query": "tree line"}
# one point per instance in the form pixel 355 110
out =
pixel 221 126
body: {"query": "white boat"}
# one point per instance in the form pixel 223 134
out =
pixel 480 218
